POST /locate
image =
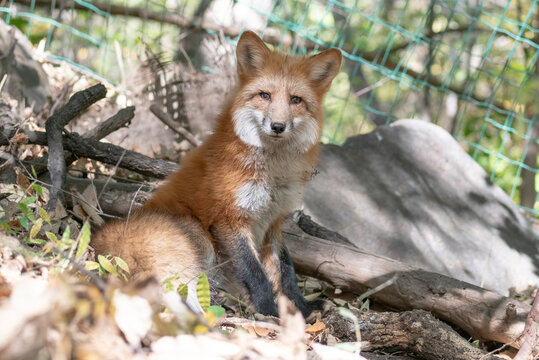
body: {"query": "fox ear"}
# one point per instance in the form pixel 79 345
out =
pixel 322 68
pixel 251 53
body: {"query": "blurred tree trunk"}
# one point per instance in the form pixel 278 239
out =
pixel 528 194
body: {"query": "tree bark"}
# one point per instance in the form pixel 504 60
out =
pixel 115 122
pixel 530 337
pixel 416 332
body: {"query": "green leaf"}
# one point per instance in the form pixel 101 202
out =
pixel 216 310
pixel 203 291
pixel 121 264
pixel 29 200
pixel 84 240
pixel 106 264
pixel 35 228
pixel 38 189
pixel 182 290
pixel 34 172
pixel 7 228
pixel 44 215
pixel 168 285
pixel 26 211
pixel 52 237
pixel 91 265
pixel 65 238
pixel 35 242
pixel 24 222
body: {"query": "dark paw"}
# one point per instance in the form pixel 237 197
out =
pixel 307 307
pixel 304 307
pixel 317 304
pixel 267 308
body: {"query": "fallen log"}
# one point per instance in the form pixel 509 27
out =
pixel 484 314
pixel 415 331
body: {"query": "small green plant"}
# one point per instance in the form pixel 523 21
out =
pixel 112 265
pixel 202 290
pixel 27 217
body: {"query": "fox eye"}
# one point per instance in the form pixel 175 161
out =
pixel 265 95
pixel 295 100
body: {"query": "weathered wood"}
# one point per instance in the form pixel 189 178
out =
pixel 483 314
pixel 416 332
pixel 54 126
pixel 115 122
pixel 113 154
pixel 530 336
pixel 107 153
pixel 306 224
pixel 114 198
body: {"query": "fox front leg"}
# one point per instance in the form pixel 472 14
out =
pixel 280 268
pixel 242 266
pixel 289 285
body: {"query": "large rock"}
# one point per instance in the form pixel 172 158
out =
pixel 409 192
pixel 26 79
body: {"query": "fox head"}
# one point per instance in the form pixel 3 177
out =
pixel 280 96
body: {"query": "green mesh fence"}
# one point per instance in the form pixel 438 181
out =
pixel 469 66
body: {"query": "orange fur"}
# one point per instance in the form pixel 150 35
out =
pixel 244 180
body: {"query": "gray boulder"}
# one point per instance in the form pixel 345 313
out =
pixel 25 77
pixel 408 191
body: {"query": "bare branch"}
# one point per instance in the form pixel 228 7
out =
pixel 79 102
pixel 165 119
pixel 115 122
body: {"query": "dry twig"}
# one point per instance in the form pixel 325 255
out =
pixel 54 126
pixel 165 119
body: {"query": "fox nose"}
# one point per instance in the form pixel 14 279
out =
pixel 277 127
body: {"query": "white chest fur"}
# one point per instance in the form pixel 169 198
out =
pixel 275 190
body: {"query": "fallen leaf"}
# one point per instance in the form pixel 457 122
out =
pixel 5 288
pixel 315 328
pixel 262 331
pixel 19 139
pixel 22 180
pixel 258 331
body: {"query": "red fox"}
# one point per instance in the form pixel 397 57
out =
pixel 227 202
